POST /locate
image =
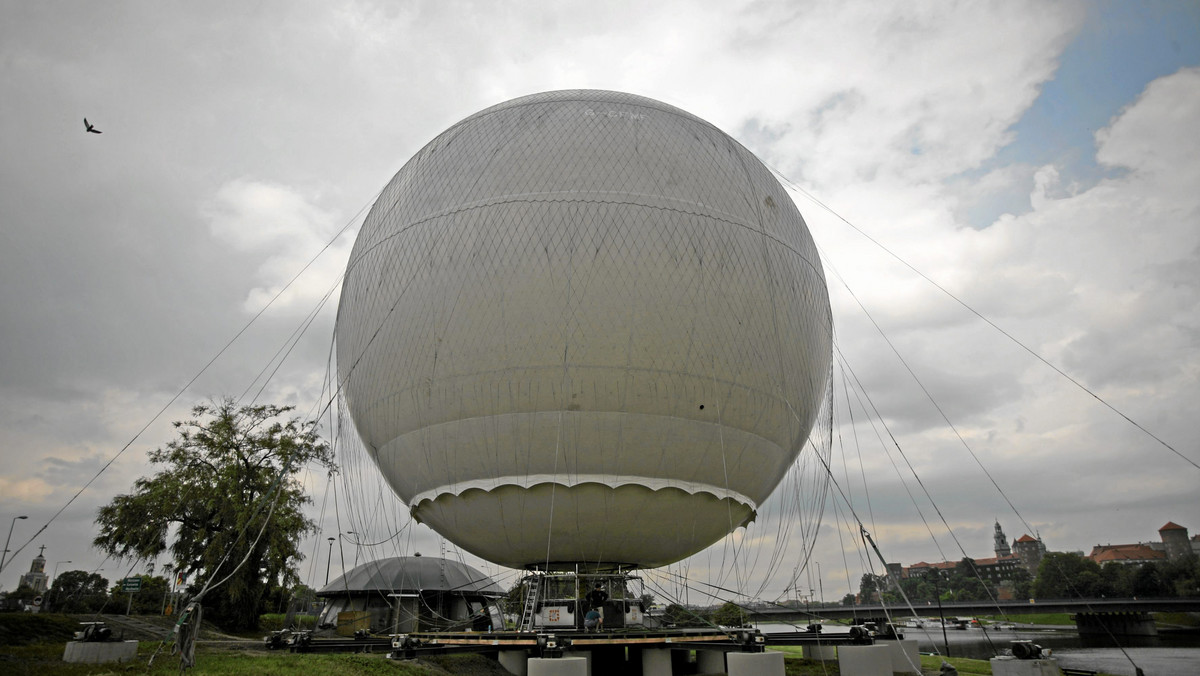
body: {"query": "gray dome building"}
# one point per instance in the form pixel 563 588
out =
pixel 411 593
pixel 584 330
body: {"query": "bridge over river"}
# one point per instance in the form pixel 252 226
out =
pixel 969 608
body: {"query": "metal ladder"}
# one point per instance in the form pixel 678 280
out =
pixel 532 584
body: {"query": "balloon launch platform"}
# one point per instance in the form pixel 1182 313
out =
pixel 560 623
pixel 632 651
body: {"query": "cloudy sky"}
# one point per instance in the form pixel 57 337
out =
pixel 1038 161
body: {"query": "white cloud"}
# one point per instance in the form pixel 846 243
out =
pixel 257 216
pixel 1092 280
pixel 25 490
pixel 284 230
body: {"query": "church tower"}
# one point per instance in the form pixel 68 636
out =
pixel 36 577
pixel 1001 543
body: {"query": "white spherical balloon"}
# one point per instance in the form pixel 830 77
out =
pixel 584 327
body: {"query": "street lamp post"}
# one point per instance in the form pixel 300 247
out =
pixel 4 555
pixel 329 560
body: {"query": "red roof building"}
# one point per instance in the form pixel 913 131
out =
pixel 1126 554
pixel 1175 541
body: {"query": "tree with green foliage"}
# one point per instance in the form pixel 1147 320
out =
pixel 23 594
pixel 1064 575
pixel 680 616
pixel 1183 577
pixel 966 569
pixel 226 503
pixel 730 614
pixel 146 601
pixel 1022 583
pixel 869 586
pixel 77 591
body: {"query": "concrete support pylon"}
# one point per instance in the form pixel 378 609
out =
pixel 656 662
pixel 515 662
pixel 865 660
pixel 769 663
pixel 710 661
pixel 558 666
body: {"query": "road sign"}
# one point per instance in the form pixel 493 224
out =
pixel 131 584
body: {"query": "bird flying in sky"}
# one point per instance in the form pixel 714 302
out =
pixel 88 126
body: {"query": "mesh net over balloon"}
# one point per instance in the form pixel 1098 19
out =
pixel 588 328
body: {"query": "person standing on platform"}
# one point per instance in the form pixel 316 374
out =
pixel 595 600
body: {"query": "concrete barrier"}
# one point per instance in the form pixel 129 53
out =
pixel 905 657
pixel 585 654
pixel 99 652
pixel 656 662
pixel 558 666
pixel 515 662
pixel 865 660
pixel 820 653
pixel 755 664
pixel 710 662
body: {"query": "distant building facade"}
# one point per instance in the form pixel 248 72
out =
pixel 1173 545
pixel 942 568
pixel 1025 553
pixel 1030 551
pixel 36 577
pixel 1126 555
pixel 999 568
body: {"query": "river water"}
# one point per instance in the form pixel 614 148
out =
pixel 1163 655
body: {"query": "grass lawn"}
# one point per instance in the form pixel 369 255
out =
pixel 46 658
pixel 1177 619
pixel 26 628
pixel 933 664
pixel 795 665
